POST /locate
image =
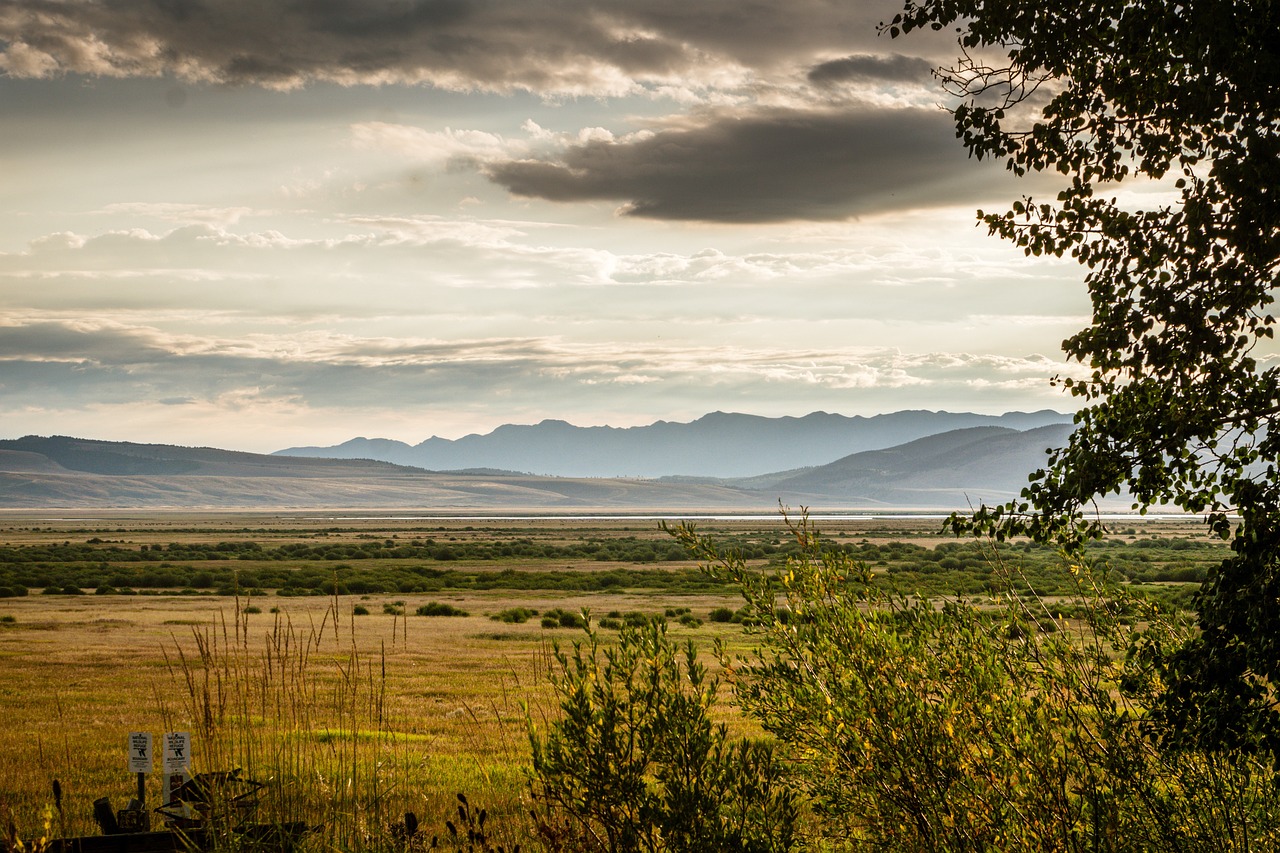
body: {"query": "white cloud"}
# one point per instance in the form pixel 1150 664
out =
pixel 436 148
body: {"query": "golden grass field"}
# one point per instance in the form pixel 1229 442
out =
pixel 353 720
pixel 370 715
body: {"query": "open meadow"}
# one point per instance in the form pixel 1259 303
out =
pixel 364 665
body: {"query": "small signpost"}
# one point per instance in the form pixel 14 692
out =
pixel 140 762
pixel 177 762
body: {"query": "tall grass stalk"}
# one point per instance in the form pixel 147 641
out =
pixel 304 713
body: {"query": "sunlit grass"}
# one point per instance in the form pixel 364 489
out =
pixel 351 720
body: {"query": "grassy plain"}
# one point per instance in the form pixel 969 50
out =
pixel 354 719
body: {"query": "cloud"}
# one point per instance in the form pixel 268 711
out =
pixel 767 166
pixel 187 214
pixel 100 361
pixel 574 47
pixel 434 147
pixel 872 68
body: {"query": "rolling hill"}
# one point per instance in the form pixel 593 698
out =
pixel 939 472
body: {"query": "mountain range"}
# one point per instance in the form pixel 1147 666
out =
pixel 945 470
pixel 717 445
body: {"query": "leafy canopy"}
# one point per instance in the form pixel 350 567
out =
pixel 1181 397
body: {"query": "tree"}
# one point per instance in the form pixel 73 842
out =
pixel 1181 402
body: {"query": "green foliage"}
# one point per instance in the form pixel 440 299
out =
pixel 634 762
pixel 915 725
pixel 910 567
pixel 514 615
pixel 1182 406
pixel 439 608
pixel 560 618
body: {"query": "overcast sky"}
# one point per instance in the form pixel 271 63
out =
pixel 255 223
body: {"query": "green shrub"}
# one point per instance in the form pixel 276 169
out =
pixel 359 610
pixel 721 614
pixel 634 763
pixel 439 608
pixel 636 619
pixel 514 615
pixel 560 618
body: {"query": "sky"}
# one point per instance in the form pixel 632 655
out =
pixel 256 224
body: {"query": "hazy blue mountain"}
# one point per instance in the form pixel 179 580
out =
pixel 58 471
pixel 945 471
pixel 951 470
pixel 717 445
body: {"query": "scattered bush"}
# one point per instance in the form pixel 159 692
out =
pixel 561 618
pixel 514 615
pixel 636 619
pixel 439 608
pixel 721 614
pixel 359 610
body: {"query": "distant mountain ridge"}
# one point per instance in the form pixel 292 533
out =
pixel 720 444
pixel 955 468
pixel 946 471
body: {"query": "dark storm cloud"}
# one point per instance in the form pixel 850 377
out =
pixel 770 166
pixel 869 68
pixel 555 46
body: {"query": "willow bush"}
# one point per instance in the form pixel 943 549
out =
pixel 911 724
pixel 633 762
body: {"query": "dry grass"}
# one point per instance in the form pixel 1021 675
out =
pixel 353 719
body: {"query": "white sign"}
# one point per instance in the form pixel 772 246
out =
pixel 140 752
pixel 177 752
